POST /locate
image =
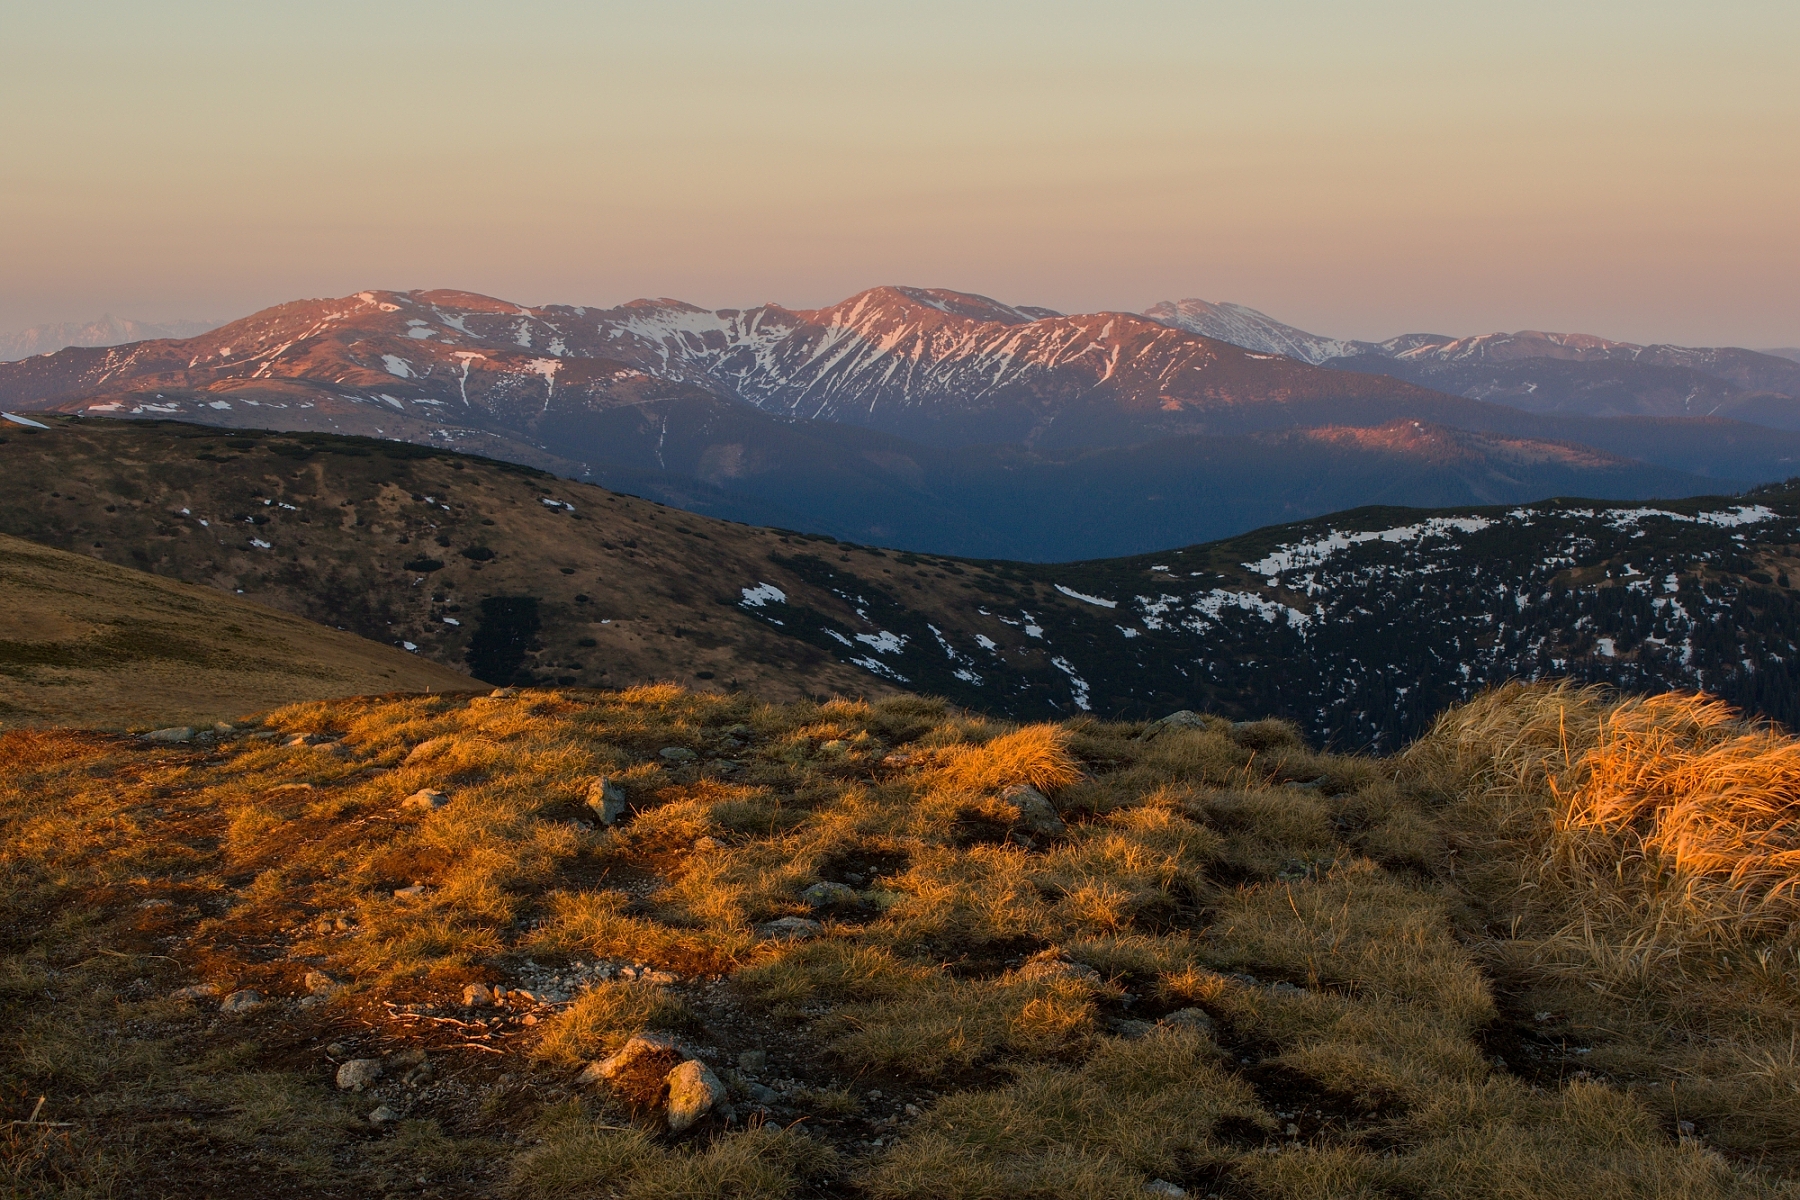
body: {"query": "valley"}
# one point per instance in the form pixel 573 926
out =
pixel 1378 617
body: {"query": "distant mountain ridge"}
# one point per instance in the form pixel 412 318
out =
pixel 1530 369
pixel 915 417
pixel 107 331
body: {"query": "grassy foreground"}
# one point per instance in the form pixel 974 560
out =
pixel 1545 952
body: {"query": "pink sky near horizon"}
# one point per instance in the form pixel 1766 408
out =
pixel 1362 171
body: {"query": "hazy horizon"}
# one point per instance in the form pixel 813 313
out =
pixel 1624 170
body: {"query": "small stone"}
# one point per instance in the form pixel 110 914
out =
pixel 794 929
pixel 427 799
pixel 358 1073
pixel 607 799
pixel 241 1001
pixel 505 693
pixel 194 991
pixel 311 1001
pixel 763 1095
pixel 303 739
pixel 652 975
pixel 319 983
pixel 753 1062
pixel 829 895
pixel 409 893
pixel 1162 1187
pixel 708 843
pixel 1183 719
pixel 677 754
pixel 693 1090
pixel 175 733
pixel 643 1047
pixel 1050 968
pixel 152 904
pixel 383 1115
pixel 1131 1029
pixel 337 1050
pixel 477 995
pixel 1191 1018
pixel 1036 813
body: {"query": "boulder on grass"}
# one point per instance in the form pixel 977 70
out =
pixel 607 799
pixel 693 1091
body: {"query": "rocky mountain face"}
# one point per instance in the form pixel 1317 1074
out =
pixel 1532 370
pixel 1360 626
pixel 107 331
pixel 904 416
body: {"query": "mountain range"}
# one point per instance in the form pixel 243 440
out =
pixel 1360 627
pixel 1538 372
pixel 107 331
pixel 937 420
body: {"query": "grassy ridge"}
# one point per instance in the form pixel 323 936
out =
pixel 1220 959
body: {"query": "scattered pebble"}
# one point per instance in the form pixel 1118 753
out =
pixel 829 895
pixel 241 1001
pixel 790 929
pixel 693 1091
pixel 1191 1018
pixel 1162 1187
pixel 677 754
pixel 358 1073
pixel 426 798
pixel 383 1115
pixel 194 991
pixel 176 733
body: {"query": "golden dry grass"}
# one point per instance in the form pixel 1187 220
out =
pixel 1243 967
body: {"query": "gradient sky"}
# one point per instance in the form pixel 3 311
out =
pixel 1358 169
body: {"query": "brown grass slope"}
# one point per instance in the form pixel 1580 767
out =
pixel 1223 961
pixel 91 644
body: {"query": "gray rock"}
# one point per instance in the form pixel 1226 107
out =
pixel 1191 1018
pixel 427 799
pixel 829 895
pixel 320 983
pixel 176 733
pixel 607 799
pixel 763 1095
pixel 1036 813
pixel 1048 970
pixel 790 929
pixel 477 995
pixel 753 1062
pixel 1162 1187
pixel 1131 1029
pixel 505 693
pixel 241 1001
pixel 383 1115
pixel 637 1050
pixel 358 1073
pixel 1184 719
pixel 154 904
pixel 410 893
pixel 194 991
pixel 677 754
pixel 693 1091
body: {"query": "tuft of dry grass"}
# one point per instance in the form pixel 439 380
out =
pixel 1036 754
